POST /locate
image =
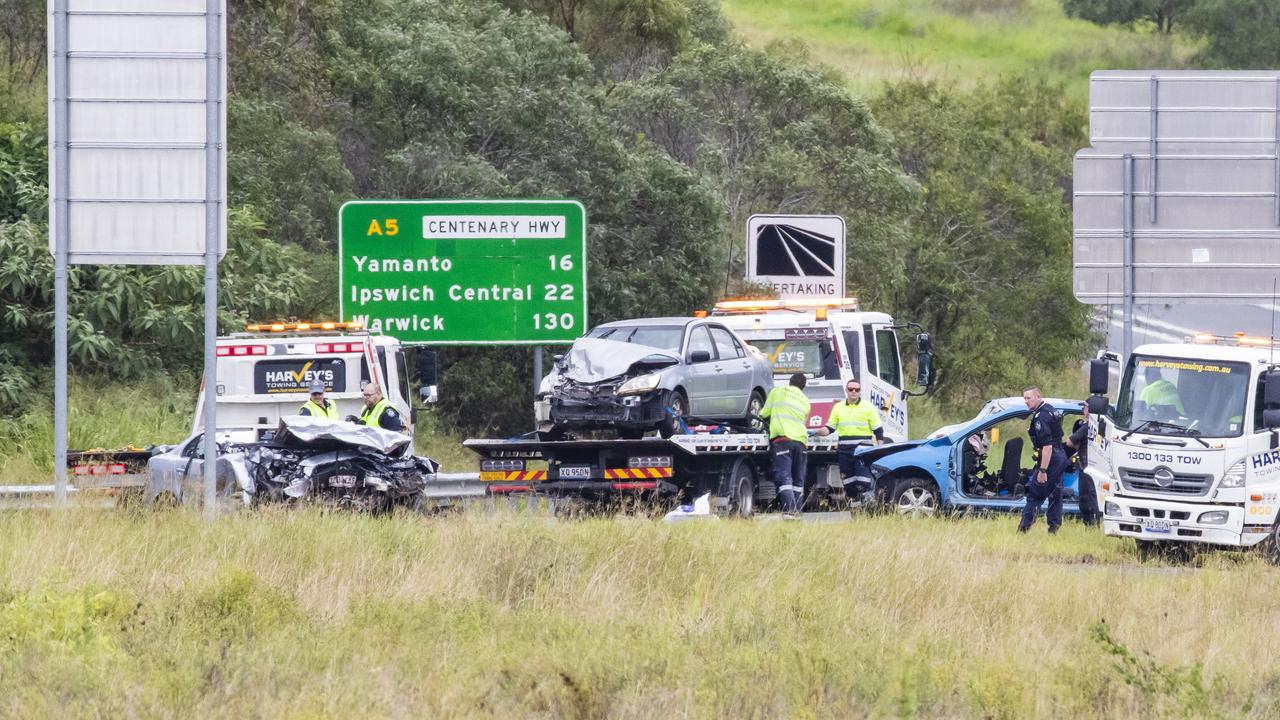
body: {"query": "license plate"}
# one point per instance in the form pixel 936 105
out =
pixel 492 475
pixel 575 471
pixel 342 481
pixel 1156 526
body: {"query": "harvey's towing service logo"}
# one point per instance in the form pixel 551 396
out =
pixel 295 376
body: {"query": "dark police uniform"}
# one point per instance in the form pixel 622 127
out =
pixel 1078 458
pixel 1045 429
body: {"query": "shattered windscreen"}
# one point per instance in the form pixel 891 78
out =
pixel 664 337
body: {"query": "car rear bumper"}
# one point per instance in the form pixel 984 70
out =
pixel 632 411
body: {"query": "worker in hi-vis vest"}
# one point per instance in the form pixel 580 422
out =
pixel 787 410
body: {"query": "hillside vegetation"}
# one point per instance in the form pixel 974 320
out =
pixel 304 614
pixel 956 42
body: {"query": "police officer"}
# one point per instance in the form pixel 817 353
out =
pixel 1078 456
pixel 1051 460
pixel 377 411
pixel 787 409
pixel 319 406
pixel 856 422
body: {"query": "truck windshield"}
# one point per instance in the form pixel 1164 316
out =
pixel 811 357
pixel 1183 397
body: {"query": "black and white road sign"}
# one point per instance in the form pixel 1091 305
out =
pixel 799 255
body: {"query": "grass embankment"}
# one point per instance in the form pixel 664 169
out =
pixel 303 614
pixel 958 42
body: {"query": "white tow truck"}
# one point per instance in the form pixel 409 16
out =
pixel 833 341
pixel 1190 452
pixel 265 372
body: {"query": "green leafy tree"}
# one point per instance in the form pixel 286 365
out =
pixel 771 134
pixel 1238 34
pixel 1162 14
pixel 989 253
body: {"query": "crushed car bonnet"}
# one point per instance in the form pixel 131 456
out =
pixel 594 359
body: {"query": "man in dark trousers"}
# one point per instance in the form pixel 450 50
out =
pixel 1045 482
pixel 787 409
pixel 1078 455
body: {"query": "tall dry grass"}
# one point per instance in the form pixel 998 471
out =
pixel 306 614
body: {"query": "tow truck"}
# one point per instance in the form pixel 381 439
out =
pixel 1190 452
pixel 263 373
pixel 831 341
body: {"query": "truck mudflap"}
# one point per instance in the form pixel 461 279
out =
pixel 1163 521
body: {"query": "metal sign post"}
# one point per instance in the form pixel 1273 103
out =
pixel 465 272
pixel 213 217
pixel 137 114
pixel 59 89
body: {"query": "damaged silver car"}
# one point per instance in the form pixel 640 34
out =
pixel 306 458
pixel 635 376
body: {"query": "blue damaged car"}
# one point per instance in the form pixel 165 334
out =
pixel 980 464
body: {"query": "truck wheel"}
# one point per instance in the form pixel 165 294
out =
pixel 915 497
pixel 754 406
pixel 742 489
pixel 676 400
pixel 1270 548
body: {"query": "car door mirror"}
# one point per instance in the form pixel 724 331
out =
pixel 429 393
pixel 699 356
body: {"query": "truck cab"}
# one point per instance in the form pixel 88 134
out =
pixel 831 341
pixel 264 373
pixel 1188 453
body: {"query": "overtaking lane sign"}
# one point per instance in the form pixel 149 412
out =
pixel 465 272
pixel 799 255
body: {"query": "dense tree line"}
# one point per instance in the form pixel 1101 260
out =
pixel 1235 34
pixel 670 130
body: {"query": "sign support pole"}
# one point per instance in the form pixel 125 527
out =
pixel 537 374
pixel 212 226
pixel 1128 253
pixel 61 133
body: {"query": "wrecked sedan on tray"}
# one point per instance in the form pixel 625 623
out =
pixel 651 374
pixel 306 458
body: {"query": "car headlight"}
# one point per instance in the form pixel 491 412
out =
pixel 1111 509
pixel 1234 477
pixel 1213 517
pixel 641 384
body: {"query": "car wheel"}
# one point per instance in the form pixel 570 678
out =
pixel 679 405
pixel 915 497
pixel 754 406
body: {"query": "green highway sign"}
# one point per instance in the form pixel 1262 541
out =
pixel 465 272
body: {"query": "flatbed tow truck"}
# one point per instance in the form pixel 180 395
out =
pixel 733 467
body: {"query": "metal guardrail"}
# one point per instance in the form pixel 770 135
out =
pixel 447 487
